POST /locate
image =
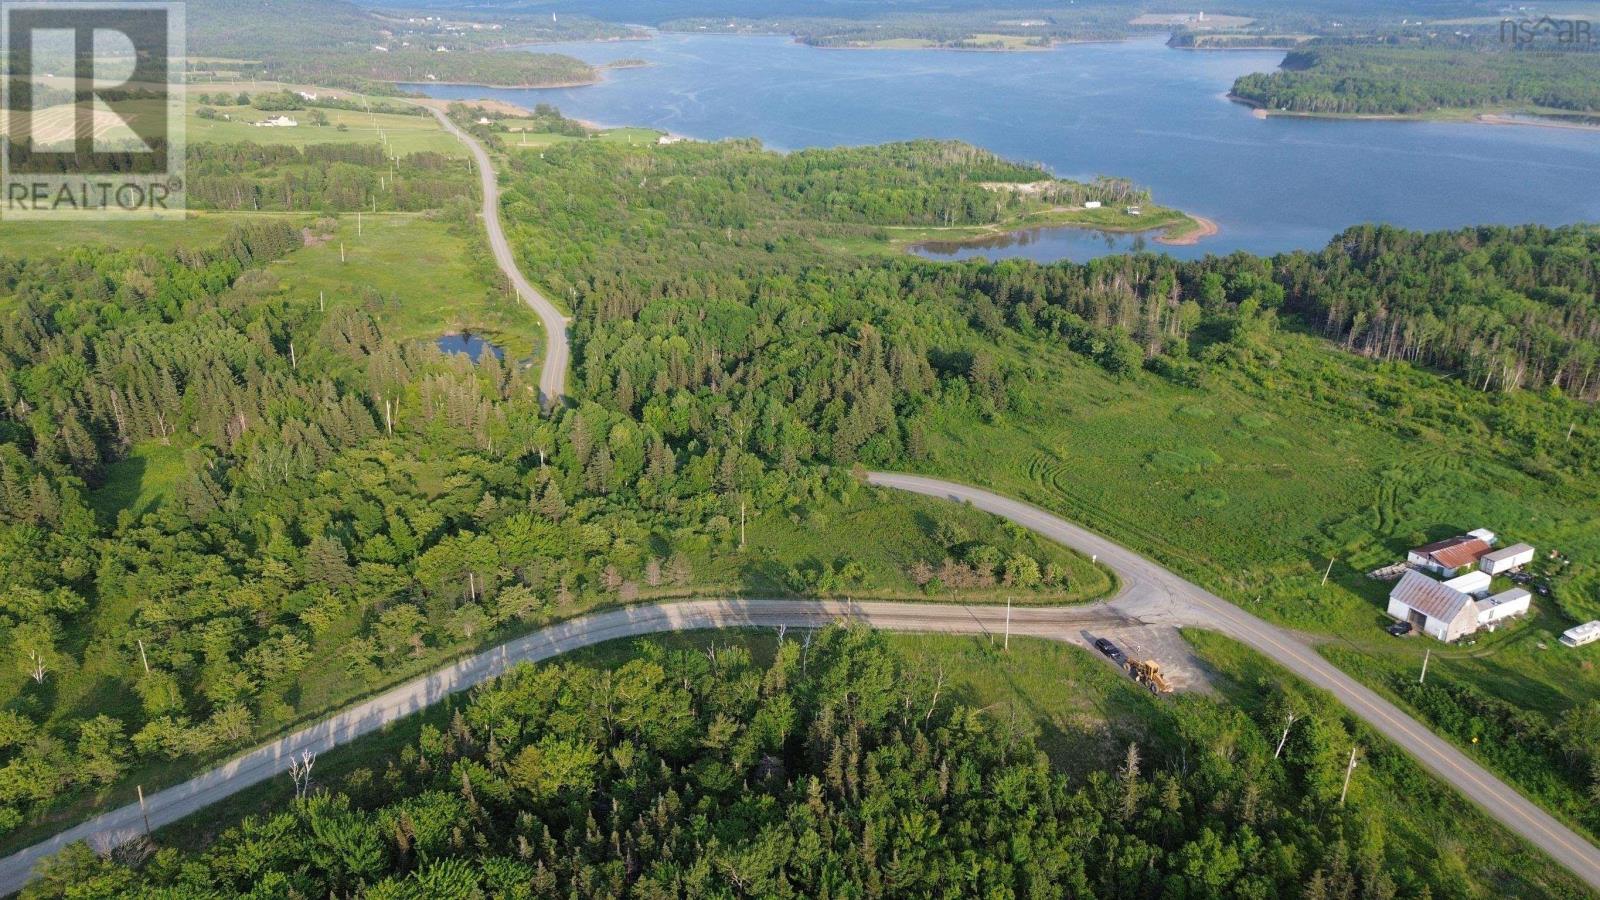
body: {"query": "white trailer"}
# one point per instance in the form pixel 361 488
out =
pixel 1577 636
pixel 1513 557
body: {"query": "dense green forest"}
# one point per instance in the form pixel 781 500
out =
pixel 1361 79
pixel 341 496
pixel 839 768
pixel 727 306
pixel 323 177
pixel 347 508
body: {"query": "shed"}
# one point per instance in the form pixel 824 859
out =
pixel 1503 605
pixel 1484 534
pixel 1513 557
pixel 1433 607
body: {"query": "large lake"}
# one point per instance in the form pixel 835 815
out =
pixel 1137 109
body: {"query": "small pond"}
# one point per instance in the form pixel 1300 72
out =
pixel 471 344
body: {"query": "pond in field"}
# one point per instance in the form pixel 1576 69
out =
pixel 470 344
pixel 1137 109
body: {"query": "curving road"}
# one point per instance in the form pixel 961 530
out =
pixel 553 374
pixel 1147 594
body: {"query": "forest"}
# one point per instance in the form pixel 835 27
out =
pixel 338 496
pixel 322 178
pixel 347 508
pixel 1376 79
pixel 840 767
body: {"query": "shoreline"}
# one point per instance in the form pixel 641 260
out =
pixel 505 87
pixel 1054 45
pixel 1206 228
pixel 1451 117
pixel 1188 233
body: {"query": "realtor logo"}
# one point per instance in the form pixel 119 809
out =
pixel 92 105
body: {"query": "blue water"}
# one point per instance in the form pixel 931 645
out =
pixel 1136 109
pixel 470 344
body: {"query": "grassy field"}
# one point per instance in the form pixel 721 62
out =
pixel 400 134
pixel 140 481
pixel 421 277
pixel 1114 219
pixel 25 238
pixel 883 534
pixel 1253 488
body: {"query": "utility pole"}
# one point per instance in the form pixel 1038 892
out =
pixel 388 416
pixel 1348 771
pixel 1424 676
pixel 358 223
pixel 294 361
pixel 341 251
pixel 142 811
pixel 1008 625
pixel 1285 739
pixel 142 658
pixel 1329 571
pixel 741 524
pixel 322 301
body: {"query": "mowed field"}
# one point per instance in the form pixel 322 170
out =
pixel 1253 489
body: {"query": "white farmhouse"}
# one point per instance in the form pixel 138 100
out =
pixel 1513 557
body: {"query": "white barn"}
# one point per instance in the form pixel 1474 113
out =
pixel 1513 557
pixel 1433 607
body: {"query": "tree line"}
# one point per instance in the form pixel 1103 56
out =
pixel 840 769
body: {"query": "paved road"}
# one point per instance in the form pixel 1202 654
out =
pixel 553 375
pixel 1153 594
pixel 1147 594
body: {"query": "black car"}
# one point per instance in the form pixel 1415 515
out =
pixel 1110 650
pixel 1399 629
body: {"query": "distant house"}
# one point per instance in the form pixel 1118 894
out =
pixel 1578 635
pixel 1432 607
pixel 277 122
pixel 666 139
pixel 1449 556
pixel 306 95
pixel 1513 557
pixel 1092 204
pixel 1451 610
pixel 484 120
